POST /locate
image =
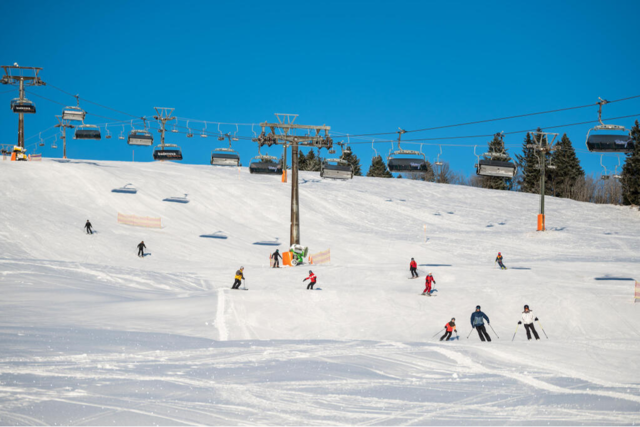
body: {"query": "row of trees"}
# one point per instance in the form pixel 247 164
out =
pixel 565 178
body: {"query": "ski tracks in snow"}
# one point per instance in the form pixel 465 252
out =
pixel 221 325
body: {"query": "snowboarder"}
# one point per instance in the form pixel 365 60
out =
pixel 312 277
pixel 413 267
pixel 238 278
pixel 478 323
pixel 499 261
pixel 274 257
pixel 528 318
pixel 428 282
pixel 141 248
pixel 450 327
pixel 88 226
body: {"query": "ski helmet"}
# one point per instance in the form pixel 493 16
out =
pixel 430 274
pixel 526 307
pixel 499 253
pixel 411 258
pixel 310 272
pixel 453 318
pixel 477 307
pixel 241 268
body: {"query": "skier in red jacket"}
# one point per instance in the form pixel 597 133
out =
pixel 312 277
pixel 413 267
pixel 428 282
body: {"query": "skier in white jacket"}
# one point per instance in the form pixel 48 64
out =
pixel 528 318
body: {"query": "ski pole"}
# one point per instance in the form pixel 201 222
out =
pixel 514 334
pixel 244 284
pixel 438 332
pixel 470 332
pixel 545 334
pixel 457 336
pixel 494 331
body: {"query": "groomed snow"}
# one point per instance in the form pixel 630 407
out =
pixel 93 335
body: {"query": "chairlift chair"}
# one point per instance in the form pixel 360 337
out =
pixel 53 144
pixel 74 114
pixel 438 162
pixel 108 135
pixel 495 164
pixel 336 169
pixel 265 165
pixel 140 137
pixel 406 160
pixel 604 138
pixel 23 106
pixel 87 132
pixel 225 157
pixel 121 133
pixel 167 152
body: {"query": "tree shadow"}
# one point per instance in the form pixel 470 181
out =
pixel 612 278
pixel 216 235
pixel 80 162
pixel 435 265
pixel 519 268
pixel 176 199
pixel 268 243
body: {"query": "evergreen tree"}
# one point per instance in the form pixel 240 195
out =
pixel 496 145
pixel 302 161
pixel 568 169
pixel 630 179
pixel 312 163
pixel 529 167
pixel 378 168
pixel 353 160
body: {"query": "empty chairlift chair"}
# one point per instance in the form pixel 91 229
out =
pixel 265 165
pixel 406 160
pixel 23 106
pixel 336 169
pixel 495 164
pixel 140 137
pixel 167 152
pixel 225 157
pixel 608 138
pixel 74 114
pixel 87 132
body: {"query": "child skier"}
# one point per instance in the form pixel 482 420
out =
pixel 413 268
pixel 478 323
pixel 141 248
pixel 274 257
pixel 499 261
pixel 88 226
pixel 312 277
pixel 238 278
pixel 428 282
pixel 450 327
pixel 528 318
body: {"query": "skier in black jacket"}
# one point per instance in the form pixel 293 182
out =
pixel 88 226
pixel 141 248
pixel 477 322
pixel 274 257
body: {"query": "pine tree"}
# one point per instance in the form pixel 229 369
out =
pixel 528 165
pixel 312 163
pixel 378 168
pixel 568 169
pixel 496 145
pixel 630 179
pixel 353 160
pixel 302 161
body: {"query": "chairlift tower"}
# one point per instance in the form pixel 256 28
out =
pixel 288 138
pixel 15 75
pixel 541 151
pixel 64 125
pixel 164 116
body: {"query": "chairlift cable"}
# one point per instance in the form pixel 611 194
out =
pixel 91 102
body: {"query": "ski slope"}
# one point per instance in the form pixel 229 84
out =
pixel 94 335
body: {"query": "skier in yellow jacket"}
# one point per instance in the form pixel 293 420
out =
pixel 239 278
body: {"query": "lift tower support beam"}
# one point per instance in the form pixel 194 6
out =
pixel 21 80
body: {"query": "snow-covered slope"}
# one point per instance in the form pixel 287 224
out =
pixel 93 334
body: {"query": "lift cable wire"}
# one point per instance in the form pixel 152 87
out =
pixel 94 103
pixel 497 119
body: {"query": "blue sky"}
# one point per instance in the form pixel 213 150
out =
pixel 359 67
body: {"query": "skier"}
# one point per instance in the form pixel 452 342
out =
pixel 478 323
pixel 88 226
pixel 274 257
pixel 450 327
pixel 528 318
pixel 239 277
pixel 312 277
pixel 499 261
pixel 413 267
pixel 428 282
pixel 141 248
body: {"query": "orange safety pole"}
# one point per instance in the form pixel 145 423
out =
pixel 541 225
